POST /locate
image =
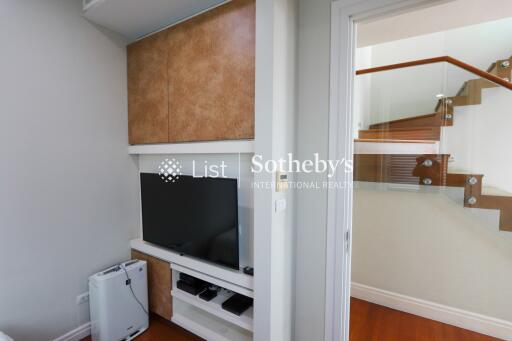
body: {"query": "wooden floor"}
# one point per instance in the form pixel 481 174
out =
pixel 162 330
pixel 369 322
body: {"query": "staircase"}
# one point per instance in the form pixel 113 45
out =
pixel 417 161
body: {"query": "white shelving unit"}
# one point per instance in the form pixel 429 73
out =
pixel 206 319
pixel 206 325
pixel 214 306
pixel 213 147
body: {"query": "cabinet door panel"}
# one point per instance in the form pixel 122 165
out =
pixel 159 284
pixel 211 72
pixel 148 119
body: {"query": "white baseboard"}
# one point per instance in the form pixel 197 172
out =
pixel 464 319
pixel 76 334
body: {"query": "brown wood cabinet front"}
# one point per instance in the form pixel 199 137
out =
pixel 148 112
pixel 159 284
pixel 195 81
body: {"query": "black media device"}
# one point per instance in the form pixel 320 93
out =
pixel 194 216
pixel 237 304
pixel 191 284
pixel 192 289
pixel 191 279
pixel 249 271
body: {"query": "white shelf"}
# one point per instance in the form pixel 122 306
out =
pixel 214 147
pixel 234 277
pixel 205 324
pixel 213 280
pixel 396 147
pixel 214 307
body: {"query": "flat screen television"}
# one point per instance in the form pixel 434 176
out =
pixel 193 216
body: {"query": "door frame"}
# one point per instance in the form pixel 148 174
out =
pixel 344 15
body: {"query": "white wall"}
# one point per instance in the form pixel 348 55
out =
pixel 312 137
pixel 275 129
pixel 236 168
pixel 410 92
pixel 435 18
pixel 427 246
pixel 276 39
pixel 405 92
pixel 478 138
pixel 68 199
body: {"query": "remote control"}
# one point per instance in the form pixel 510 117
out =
pixel 249 271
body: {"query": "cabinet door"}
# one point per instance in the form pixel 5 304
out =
pixel 211 71
pixel 148 118
pixel 159 284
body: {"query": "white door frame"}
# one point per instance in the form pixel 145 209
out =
pixel 344 13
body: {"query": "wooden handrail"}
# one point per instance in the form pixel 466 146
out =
pixel 447 59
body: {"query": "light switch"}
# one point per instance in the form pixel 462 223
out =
pixel 280 205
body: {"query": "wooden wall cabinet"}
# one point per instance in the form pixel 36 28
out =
pixel 195 81
pixel 148 112
pixel 159 284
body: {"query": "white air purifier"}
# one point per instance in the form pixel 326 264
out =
pixel 119 302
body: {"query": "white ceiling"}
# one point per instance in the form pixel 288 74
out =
pixel 136 18
pixel 449 15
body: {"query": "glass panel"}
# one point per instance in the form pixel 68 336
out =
pixel 433 196
pixel 476 144
pixel 397 94
pixel 455 150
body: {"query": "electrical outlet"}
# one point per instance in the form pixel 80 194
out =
pixel 82 298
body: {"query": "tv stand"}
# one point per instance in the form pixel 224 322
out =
pixel 205 319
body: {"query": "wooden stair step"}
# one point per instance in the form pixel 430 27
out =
pixel 400 168
pixel 484 83
pixel 473 89
pixel 498 202
pixel 461 100
pixel 499 70
pixel 436 119
pixel 460 179
pixel 414 133
pixel 484 196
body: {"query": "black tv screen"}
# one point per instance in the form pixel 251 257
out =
pixel 193 216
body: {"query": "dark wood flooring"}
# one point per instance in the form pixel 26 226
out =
pixel 372 322
pixel 368 322
pixel 162 330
